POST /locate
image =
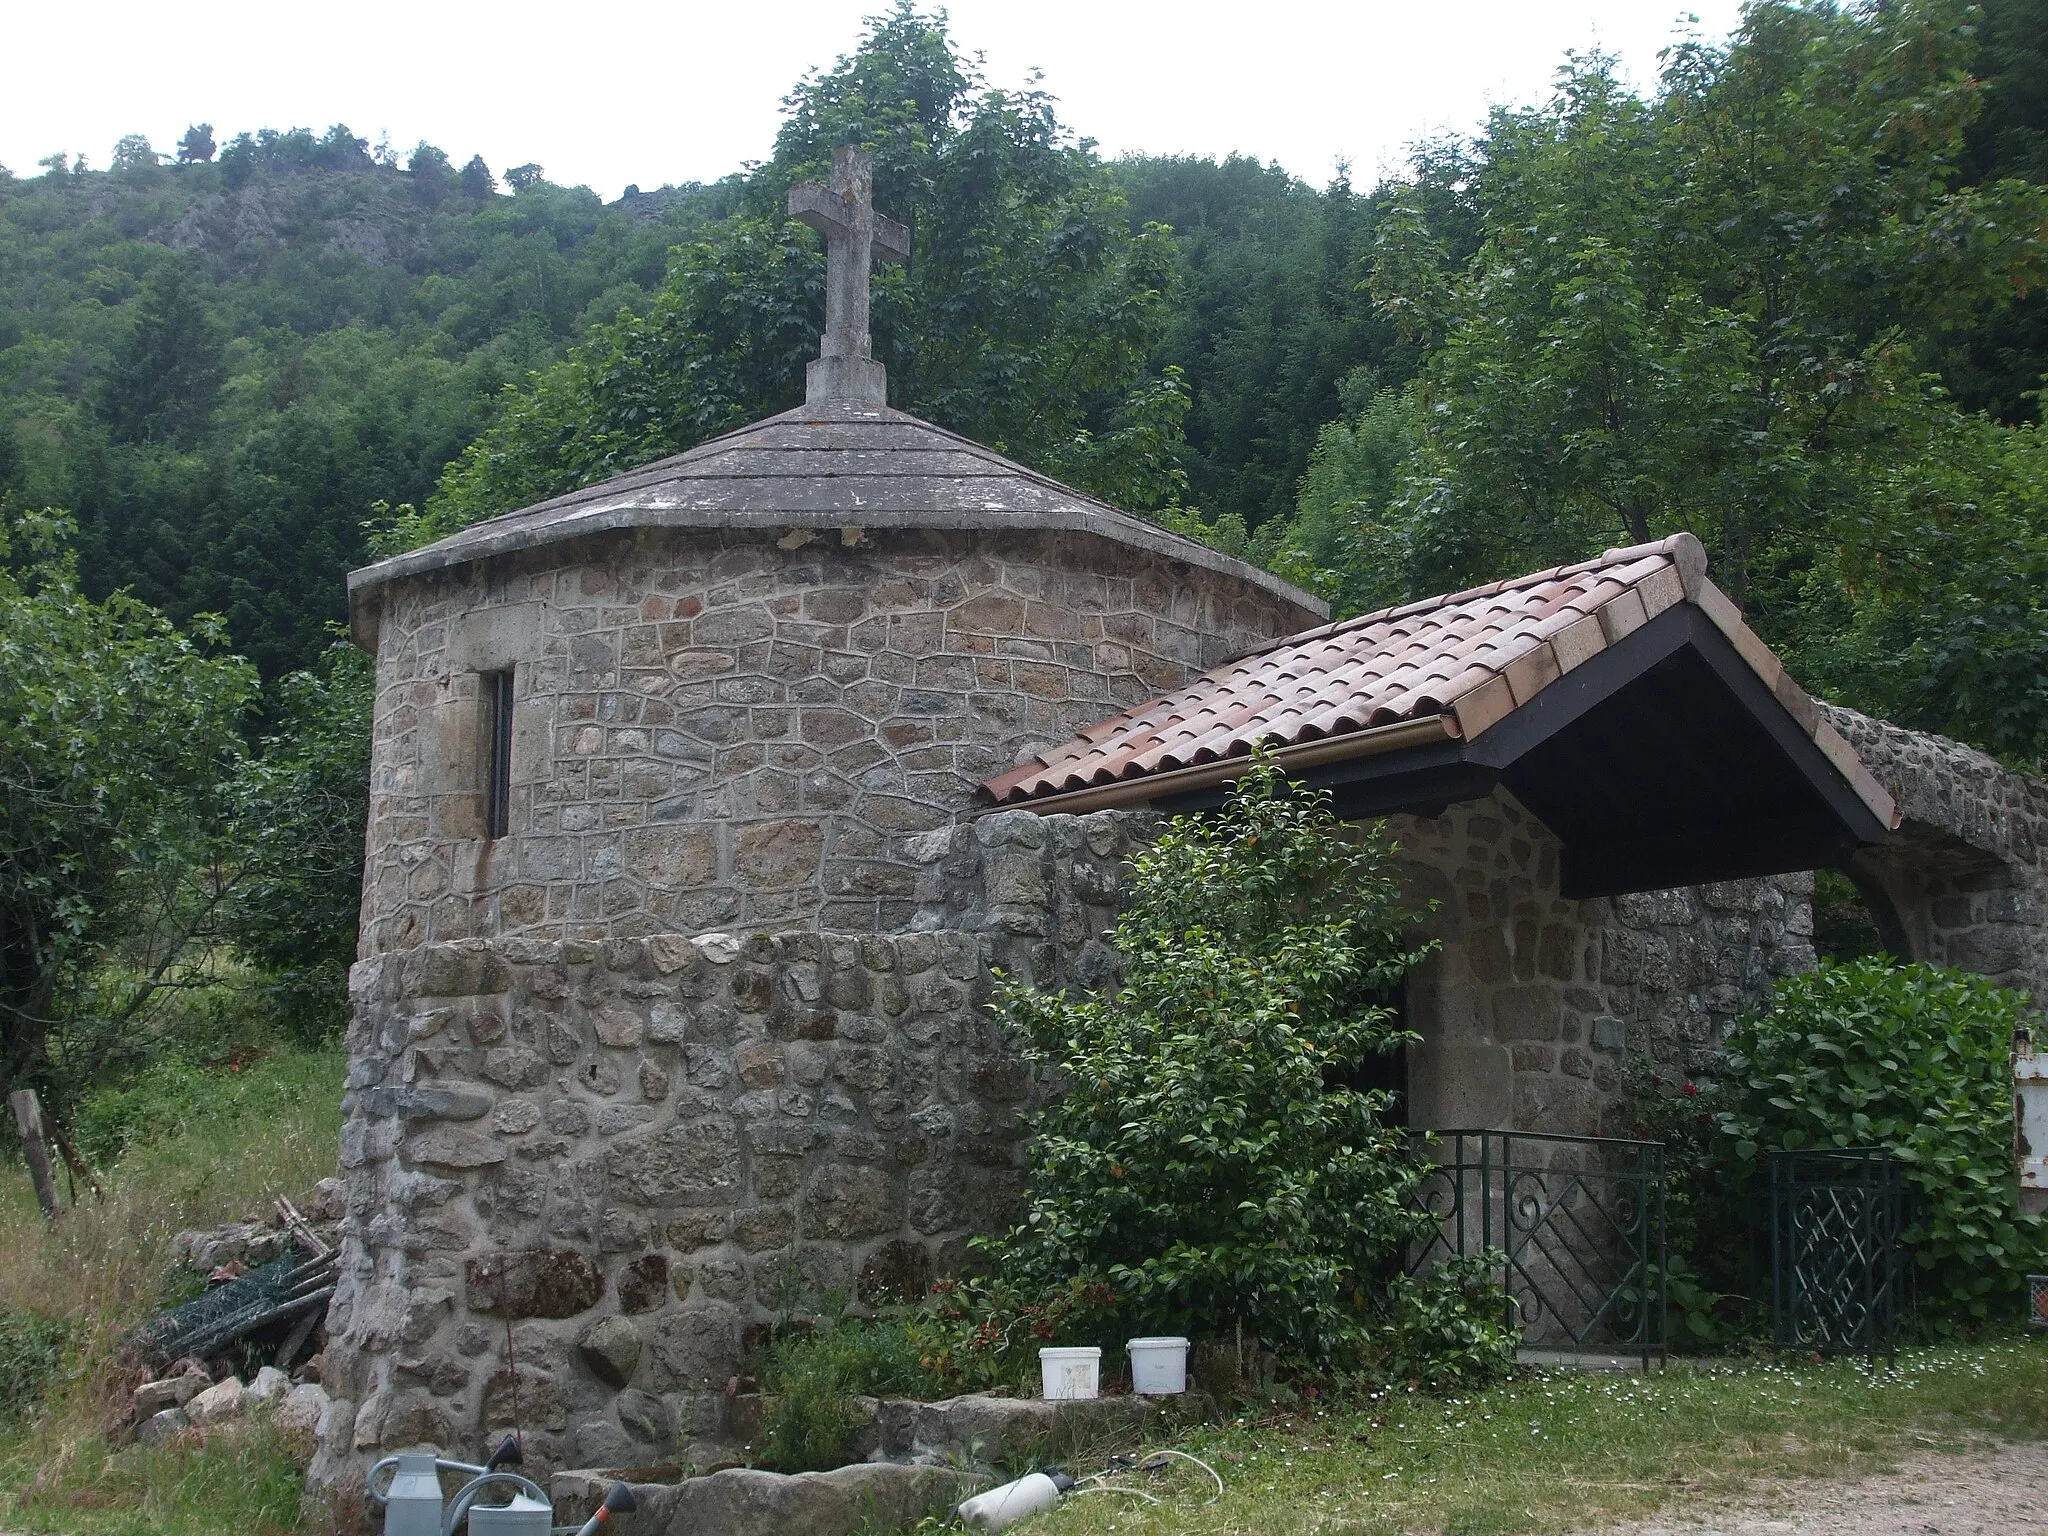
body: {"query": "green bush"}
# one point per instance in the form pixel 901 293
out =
pixel 1710 1281
pixel 1453 1329
pixel 982 1334
pixel 31 1355
pixel 1913 1059
pixel 1205 1160
pixel 813 1377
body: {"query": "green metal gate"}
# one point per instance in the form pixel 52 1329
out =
pixel 1839 1276
pixel 1578 1222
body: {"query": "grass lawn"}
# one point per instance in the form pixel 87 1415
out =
pixel 1561 1450
pixel 1543 1453
pixel 220 1146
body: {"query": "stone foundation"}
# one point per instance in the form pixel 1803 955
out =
pixel 629 1153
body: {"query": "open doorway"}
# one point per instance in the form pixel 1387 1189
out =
pixel 1844 925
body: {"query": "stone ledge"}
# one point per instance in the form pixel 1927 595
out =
pixel 877 1496
pixel 992 1431
pixel 922 1458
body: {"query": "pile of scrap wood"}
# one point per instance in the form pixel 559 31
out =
pixel 275 1308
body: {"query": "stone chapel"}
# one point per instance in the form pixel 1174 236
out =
pixel 705 799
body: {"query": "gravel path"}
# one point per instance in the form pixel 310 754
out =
pixel 1997 1490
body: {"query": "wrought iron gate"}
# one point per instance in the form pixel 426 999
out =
pixel 1578 1222
pixel 1838 1271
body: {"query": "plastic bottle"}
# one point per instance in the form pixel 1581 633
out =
pixel 998 1507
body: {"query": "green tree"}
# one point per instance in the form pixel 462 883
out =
pixel 197 146
pixel 1267 320
pixel 2000 366
pixel 476 179
pixel 432 176
pixel 1205 1158
pixel 1712 310
pixel 1349 533
pixel 133 155
pixel 2010 136
pixel 299 809
pixel 1023 319
pixel 165 375
pixel 117 734
pixel 1936 613
pixel 357 377
pixel 1722 309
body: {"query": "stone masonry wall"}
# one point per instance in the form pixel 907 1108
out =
pixel 722 729
pixel 1532 1002
pixel 1962 881
pixel 705 1028
pixel 630 1151
pixel 708 1031
pixel 633 1150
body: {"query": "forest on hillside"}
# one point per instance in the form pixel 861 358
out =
pixel 1790 299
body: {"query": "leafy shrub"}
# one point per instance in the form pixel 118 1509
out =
pixel 1710 1278
pixel 1454 1328
pixel 810 1421
pixel 1914 1059
pixel 983 1334
pixel 813 1377
pixel 1206 1161
pixel 974 1334
pixel 31 1354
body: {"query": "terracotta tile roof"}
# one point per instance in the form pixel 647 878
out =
pixel 1444 667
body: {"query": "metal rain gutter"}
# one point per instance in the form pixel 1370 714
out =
pixel 1302 755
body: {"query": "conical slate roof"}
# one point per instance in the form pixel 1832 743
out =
pixel 829 465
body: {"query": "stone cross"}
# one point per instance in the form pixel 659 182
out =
pixel 844 213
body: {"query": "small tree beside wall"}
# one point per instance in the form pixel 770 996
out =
pixel 1203 1166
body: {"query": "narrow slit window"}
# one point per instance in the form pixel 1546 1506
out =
pixel 498 721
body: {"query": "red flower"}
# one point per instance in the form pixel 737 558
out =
pixel 1692 1090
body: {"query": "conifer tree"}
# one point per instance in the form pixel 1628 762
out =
pixel 167 370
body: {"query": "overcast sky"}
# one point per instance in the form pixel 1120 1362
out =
pixel 615 91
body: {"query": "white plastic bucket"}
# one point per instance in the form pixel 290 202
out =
pixel 1159 1367
pixel 1070 1374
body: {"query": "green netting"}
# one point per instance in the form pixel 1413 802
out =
pixel 216 1315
